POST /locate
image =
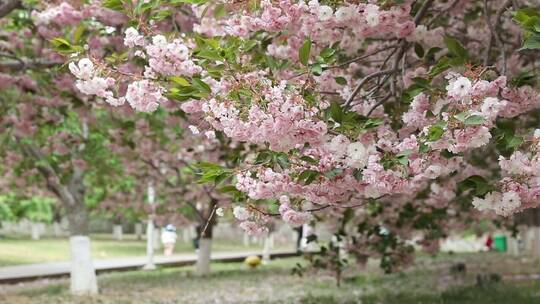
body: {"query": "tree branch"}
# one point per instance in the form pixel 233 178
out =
pixel 50 175
pixel 22 64
pixel 7 6
pixel 363 81
pixel 495 34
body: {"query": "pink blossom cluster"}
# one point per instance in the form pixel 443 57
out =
pixel 350 24
pixel 465 114
pixel 277 116
pixel 61 15
pixel 520 186
pixel 291 216
pixel 144 95
pixel 166 58
pixel 248 223
pixel 91 84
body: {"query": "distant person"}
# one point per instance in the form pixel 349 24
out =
pixel 489 243
pixel 197 237
pixel 168 238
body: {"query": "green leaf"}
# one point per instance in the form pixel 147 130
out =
pixel 513 141
pixel 327 53
pixel 308 176
pixel 210 54
pixel 283 160
pixel 524 78
pixel 358 174
pixel 340 80
pixel 115 5
pixel 61 43
pixel 333 173
pixel 455 48
pixel 462 116
pixel 228 189
pixel 435 132
pixel 309 160
pixel 263 158
pixel 79 32
pixel 474 120
pixel 373 123
pixel 317 69
pixel 305 50
pixel 419 50
pixel 423 148
pixel 220 11
pixel 180 81
pixel 532 42
pixel 336 112
pixel 63 46
pixel 476 182
pixel 201 85
pixel 442 65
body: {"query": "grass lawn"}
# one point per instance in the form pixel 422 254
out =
pixel 428 281
pixel 15 251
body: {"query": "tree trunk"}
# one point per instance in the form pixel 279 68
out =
pixel 150 235
pixel 513 246
pixel 205 247
pixel 186 234
pixel 246 240
pixel 83 275
pixel 535 250
pixel 268 245
pixel 57 229
pixel 35 231
pixel 203 256
pixel 138 231
pixel 118 232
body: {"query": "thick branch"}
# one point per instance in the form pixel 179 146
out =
pixel 22 64
pixel 7 6
pixel 50 175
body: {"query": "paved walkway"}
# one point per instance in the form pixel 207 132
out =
pixel 14 274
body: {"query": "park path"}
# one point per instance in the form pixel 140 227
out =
pixel 15 274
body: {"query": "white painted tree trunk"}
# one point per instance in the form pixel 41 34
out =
pixel 35 230
pixel 118 232
pixel 246 240
pixel 150 246
pixel 268 245
pixel 527 237
pixel 83 275
pixel 535 250
pixel 138 230
pixel 150 234
pixel 203 257
pixel 57 229
pixel 186 235
pixel 513 245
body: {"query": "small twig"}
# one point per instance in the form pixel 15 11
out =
pixel 340 65
pixel 494 34
pixel 378 104
pixel 363 81
pixel 441 12
pixel 251 206
pixel 203 233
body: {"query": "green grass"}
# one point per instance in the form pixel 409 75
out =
pixel 274 283
pixel 16 251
